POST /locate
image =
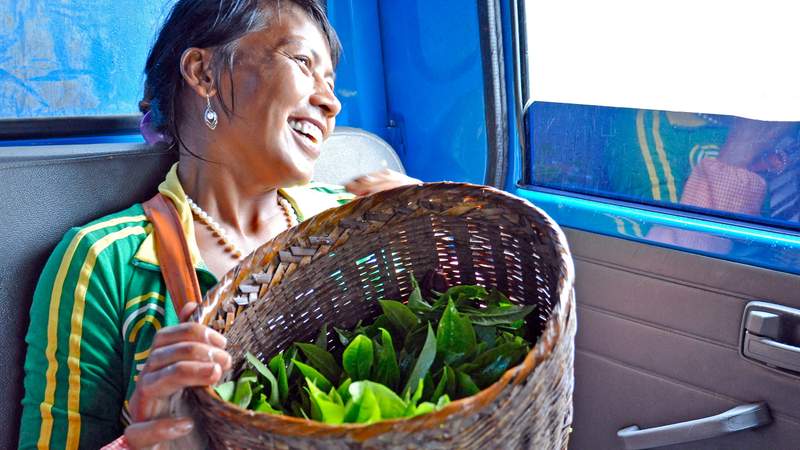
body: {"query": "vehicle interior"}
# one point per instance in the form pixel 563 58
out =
pixel 688 315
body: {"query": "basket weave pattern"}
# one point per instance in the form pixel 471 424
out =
pixel 333 268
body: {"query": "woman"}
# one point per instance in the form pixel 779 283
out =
pixel 244 90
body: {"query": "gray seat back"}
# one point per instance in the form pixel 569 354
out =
pixel 351 152
pixel 45 190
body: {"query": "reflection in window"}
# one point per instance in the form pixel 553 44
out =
pixel 701 162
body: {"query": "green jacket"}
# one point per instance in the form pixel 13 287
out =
pixel 98 304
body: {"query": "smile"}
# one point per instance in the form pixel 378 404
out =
pixel 307 129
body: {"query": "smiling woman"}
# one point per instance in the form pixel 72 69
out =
pixel 243 90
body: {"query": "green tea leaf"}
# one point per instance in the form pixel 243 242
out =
pixel 274 398
pixel 466 294
pixel 443 400
pixel 455 336
pixel 344 391
pixel 389 403
pixel 416 338
pixel 466 387
pixel 243 393
pixel 486 334
pixel 424 361
pixel 496 298
pixel 322 338
pixel 400 316
pixel 313 374
pixel 423 408
pixel 321 360
pixel 248 375
pixel 261 405
pixel 277 366
pixel 387 371
pixel 333 394
pixel 362 409
pixel 345 336
pixel 498 315
pixel 447 383
pixel 289 357
pixel 358 357
pixel 225 390
pixel 323 408
pixel 490 365
pixel 415 301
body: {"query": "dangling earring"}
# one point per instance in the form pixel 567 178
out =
pixel 210 115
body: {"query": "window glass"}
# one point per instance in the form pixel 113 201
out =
pixel 699 162
pixel 75 58
pixel 697 117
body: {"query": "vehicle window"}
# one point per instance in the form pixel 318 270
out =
pixel 685 123
pixel 67 59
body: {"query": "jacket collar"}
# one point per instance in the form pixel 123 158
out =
pixel 172 189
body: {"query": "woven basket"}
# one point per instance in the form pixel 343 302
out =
pixel 333 268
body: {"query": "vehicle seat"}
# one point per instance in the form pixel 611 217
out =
pixel 48 189
pixel 351 152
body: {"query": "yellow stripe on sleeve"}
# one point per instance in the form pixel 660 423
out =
pixel 662 157
pixel 648 160
pixel 141 298
pixel 146 319
pixel 45 408
pixel 73 361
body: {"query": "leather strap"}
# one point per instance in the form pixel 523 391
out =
pixel 172 251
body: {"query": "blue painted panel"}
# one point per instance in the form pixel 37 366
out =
pixel 434 87
pixel 73 58
pixel 359 77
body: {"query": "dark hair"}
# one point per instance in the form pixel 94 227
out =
pixel 204 24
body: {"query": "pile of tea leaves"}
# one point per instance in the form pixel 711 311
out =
pixel 413 359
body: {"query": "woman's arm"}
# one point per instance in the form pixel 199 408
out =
pixel 74 388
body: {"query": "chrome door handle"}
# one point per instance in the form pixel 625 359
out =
pixel 740 418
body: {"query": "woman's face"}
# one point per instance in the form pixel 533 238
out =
pixel 281 93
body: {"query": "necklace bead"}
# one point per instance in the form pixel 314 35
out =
pixel 218 232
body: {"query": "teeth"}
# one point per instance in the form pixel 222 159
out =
pixel 307 128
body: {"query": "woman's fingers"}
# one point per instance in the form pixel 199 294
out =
pixel 187 351
pixel 187 311
pixel 148 434
pixel 160 384
pixel 378 181
pixel 188 331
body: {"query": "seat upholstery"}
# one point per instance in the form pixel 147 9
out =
pixel 46 190
pixel 351 152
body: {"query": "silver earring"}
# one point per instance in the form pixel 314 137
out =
pixel 210 115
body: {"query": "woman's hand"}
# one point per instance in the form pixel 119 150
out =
pixel 181 356
pixel 379 181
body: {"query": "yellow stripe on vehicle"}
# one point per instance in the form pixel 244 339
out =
pixel 662 157
pixel 45 408
pixel 73 361
pixel 648 160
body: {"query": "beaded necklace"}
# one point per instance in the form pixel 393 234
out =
pixel 218 232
